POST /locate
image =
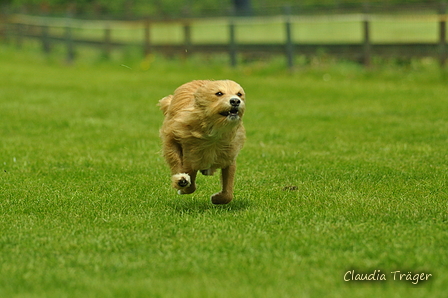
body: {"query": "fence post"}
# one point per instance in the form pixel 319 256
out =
pixel 187 39
pixel 232 43
pixel 69 41
pixel 366 36
pixel 289 43
pixel 147 38
pixel 45 39
pixel 45 28
pixel 3 26
pixel 19 35
pixel 442 34
pixel 107 42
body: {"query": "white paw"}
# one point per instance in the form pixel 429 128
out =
pixel 181 180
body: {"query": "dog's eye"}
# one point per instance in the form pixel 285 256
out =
pixel 219 93
pixel 239 94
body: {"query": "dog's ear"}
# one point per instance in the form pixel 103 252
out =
pixel 202 94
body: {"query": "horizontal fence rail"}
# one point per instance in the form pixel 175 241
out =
pixel 356 36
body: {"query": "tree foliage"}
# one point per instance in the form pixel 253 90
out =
pixel 186 8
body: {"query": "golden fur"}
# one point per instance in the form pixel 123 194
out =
pixel 203 131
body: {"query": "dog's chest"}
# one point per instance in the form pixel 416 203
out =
pixel 208 154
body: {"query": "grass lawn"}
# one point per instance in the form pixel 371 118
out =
pixel 344 169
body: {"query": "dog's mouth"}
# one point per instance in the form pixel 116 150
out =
pixel 233 112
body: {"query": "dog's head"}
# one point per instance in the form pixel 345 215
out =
pixel 222 102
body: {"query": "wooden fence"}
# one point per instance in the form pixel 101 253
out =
pixel 183 40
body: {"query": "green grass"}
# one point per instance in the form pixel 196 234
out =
pixel 344 169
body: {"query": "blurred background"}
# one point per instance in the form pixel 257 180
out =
pixel 242 30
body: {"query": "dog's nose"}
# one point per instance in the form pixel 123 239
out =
pixel 235 102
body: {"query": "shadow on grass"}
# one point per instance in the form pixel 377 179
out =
pixel 200 205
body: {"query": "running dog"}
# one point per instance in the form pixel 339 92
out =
pixel 203 131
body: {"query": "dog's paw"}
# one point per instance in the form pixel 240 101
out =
pixel 221 198
pixel 181 180
pixel 208 172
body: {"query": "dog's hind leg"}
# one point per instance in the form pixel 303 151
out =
pixel 227 179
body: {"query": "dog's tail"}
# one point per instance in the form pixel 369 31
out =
pixel 164 103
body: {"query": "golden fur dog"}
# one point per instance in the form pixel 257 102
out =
pixel 203 131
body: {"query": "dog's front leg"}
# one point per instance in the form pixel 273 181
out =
pixel 184 181
pixel 227 178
